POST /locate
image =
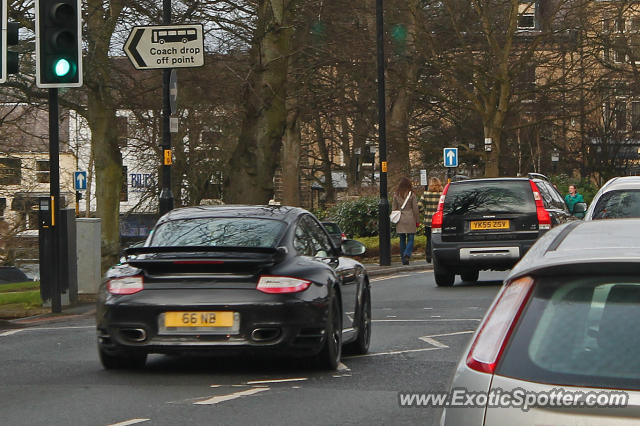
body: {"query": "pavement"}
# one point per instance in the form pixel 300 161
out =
pixel 86 305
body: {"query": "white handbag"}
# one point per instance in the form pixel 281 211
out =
pixel 395 214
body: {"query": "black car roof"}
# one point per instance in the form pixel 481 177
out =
pixel 284 213
pixel 499 179
pixel 584 243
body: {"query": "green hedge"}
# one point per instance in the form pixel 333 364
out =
pixel 357 218
pixel 373 247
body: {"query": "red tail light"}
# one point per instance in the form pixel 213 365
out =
pixel 343 236
pixel 436 220
pixel 275 284
pixel 544 220
pixel 125 285
pixel 491 340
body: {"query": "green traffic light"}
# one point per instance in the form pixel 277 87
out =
pixel 61 67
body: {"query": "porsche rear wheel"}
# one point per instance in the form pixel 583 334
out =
pixel 329 356
pixel 361 345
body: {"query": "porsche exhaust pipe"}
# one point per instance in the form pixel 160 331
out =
pixel 134 334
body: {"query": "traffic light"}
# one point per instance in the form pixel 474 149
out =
pixel 58 43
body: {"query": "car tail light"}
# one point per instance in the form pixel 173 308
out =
pixel 125 285
pixel 275 284
pixel 492 338
pixel 544 220
pixel 343 236
pixel 436 220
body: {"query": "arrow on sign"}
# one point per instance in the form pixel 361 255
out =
pixel 132 48
pixel 80 178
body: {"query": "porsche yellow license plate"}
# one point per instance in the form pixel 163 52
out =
pixel 477 225
pixel 198 319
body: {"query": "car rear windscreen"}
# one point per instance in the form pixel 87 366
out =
pixel 218 232
pixel 332 228
pixel 618 204
pixel 478 197
pixel 578 331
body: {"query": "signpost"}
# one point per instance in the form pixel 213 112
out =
pixel 165 46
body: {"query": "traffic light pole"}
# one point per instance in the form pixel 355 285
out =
pixel 384 226
pixel 166 196
pixel 54 193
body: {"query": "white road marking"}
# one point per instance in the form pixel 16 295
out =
pixel 427 320
pixel 259 382
pixel 392 316
pixel 430 339
pixel 393 352
pixel 343 367
pixel 130 422
pixel 436 316
pixel 427 309
pixel 11 332
pixel 223 398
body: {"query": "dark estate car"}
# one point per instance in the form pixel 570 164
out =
pixel 485 224
pixel 235 278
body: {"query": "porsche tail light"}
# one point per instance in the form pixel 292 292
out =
pixel 492 338
pixel 125 285
pixel 343 236
pixel 436 220
pixel 276 284
pixel 544 220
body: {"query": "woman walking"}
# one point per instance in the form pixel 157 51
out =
pixel 428 205
pixel 409 217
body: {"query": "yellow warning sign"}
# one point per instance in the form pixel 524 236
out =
pixel 167 157
pixel 384 167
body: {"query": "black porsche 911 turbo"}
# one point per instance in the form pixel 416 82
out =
pixel 222 279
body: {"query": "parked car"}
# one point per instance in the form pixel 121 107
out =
pixel 618 198
pixel 566 319
pixel 485 224
pixel 235 279
pixel 12 274
pixel 335 232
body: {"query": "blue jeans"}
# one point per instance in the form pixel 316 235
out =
pixel 406 244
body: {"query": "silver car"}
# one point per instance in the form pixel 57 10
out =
pixel 560 345
pixel 618 198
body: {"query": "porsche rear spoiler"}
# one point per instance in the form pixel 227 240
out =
pixel 185 255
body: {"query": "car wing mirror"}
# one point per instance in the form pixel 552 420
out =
pixel 352 248
pixel 579 208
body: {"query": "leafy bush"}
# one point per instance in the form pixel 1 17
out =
pixel 357 218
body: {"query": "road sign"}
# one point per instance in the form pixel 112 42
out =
pixel 423 177
pixel 165 46
pixel 451 157
pixel 80 180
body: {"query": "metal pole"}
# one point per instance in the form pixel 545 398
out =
pixel 166 196
pixel 54 193
pixel 384 226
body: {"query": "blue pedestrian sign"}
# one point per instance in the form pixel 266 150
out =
pixel 80 181
pixel 451 157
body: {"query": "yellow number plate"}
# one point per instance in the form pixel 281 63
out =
pixel 489 224
pixel 198 319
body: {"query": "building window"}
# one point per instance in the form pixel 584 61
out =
pixel 619 50
pixel 3 207
pixel 635 116
pixel 42 171
pixel 10 171
pixel 124 191
pixel 122 123
pixel 526 21
pixel 621 115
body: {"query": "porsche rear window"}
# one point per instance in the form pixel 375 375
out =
pixel 477 197
pixel 578 332
pixel 218 232
pixel 618 204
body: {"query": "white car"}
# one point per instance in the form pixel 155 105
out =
pixel 618 198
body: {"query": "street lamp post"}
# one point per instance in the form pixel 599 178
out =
pixel 384 226
pixel 555 157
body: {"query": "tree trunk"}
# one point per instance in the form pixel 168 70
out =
pixel 257 154
pixel 492 164
pixel 291 156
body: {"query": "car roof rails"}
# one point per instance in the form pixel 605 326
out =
pixel 538 176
